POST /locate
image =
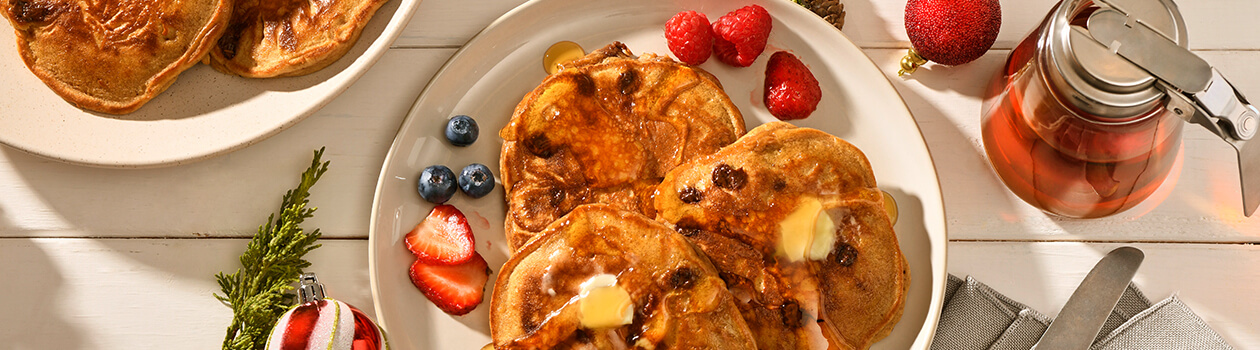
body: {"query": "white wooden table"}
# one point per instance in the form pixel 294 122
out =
pixel 120 259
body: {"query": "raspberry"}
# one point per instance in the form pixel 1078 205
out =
pixel 740 36
pixel 689 37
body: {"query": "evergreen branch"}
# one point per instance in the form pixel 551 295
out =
pixel 258 292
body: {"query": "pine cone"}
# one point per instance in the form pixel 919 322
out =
pixel 830 10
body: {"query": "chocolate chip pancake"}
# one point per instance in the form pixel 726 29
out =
pixel 113 56
pixel 272 38
pixel 606 129
pixel 605 278
pixel 793 220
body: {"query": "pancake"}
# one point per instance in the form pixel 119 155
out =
pixel 113 56
pixel 739 206
pixel 605 129
pixel 273 38
pixel 677 298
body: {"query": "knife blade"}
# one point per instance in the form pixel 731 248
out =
pixel 1082 317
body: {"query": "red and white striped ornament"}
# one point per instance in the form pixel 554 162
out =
pixel 318 322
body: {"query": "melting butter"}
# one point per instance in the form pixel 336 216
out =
pixel 604 304
pixel 807 232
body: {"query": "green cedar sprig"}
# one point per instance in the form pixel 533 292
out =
pixel 258 292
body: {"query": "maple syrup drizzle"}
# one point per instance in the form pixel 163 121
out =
pixel 559 54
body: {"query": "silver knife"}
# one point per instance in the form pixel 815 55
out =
pixel 1080 319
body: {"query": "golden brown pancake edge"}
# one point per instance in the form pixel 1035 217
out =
pixel 115 71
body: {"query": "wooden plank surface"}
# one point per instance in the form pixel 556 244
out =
pixel 140 293
pixel 86 264
pixel 116 293
pixel 1212 25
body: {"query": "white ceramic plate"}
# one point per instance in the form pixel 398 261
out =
pixel 494 70
pixel 203 114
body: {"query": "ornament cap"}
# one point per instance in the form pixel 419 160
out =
pixel 310 289
pixel 911 62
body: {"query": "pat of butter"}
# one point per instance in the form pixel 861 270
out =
pixel 824 237
pixel 807 232
pixel 603 304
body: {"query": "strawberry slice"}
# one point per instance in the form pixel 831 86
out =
pixel 456 289
pixel 740 36
pixel 443 238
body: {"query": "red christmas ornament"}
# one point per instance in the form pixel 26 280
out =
pixel 324 323
pixel 949 32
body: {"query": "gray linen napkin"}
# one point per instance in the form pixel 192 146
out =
pixel 977 317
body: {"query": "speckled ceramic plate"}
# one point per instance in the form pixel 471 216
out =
pixel 205 113
pixel 489 76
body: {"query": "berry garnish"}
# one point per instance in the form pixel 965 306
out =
pixel 436 184
pixel 461 130
pixel 456 289
pixel 443 238
pixel 949 32
pixel 792 92
pixel 740 36
pixel 476 180
pixel 690 37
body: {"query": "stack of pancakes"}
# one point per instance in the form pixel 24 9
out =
pixel 613 140
pixel 114 56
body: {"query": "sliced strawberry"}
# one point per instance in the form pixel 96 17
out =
pixel 443 238
pixel 689 37
pixel 740 36
pixel 456 289
pixel 792 92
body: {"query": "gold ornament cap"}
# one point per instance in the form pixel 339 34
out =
pixel 911 62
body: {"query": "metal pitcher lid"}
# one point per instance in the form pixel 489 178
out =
pixel 1089 75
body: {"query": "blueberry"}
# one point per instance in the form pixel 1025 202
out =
pixel 461 130
pixel 476 180
pixel 437 184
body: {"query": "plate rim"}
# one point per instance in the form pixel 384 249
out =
pixel 939 253
pixel 356 69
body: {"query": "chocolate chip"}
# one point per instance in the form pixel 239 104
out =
pixel 585 85
pixel 729 178
pixel 539 145
pixel 646 304
pixel 779 185
pixel 555 196
pixel 690 195
pixel 27 11
pixel 582 335
pixel 688 227
pixel 682 278
pixel 628 82
pixel 231 37
pixel 791 313
pixel 844 254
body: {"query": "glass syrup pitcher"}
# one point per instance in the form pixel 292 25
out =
pixel 1085 118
